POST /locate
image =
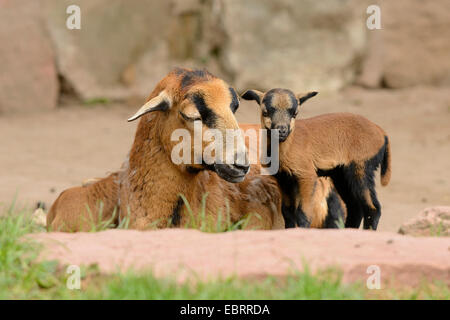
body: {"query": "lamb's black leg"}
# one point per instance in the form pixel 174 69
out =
pixel 288 215
pixel 372 207
pixel 346 184
pixel 289 189
pixel 370 203
pixel 301 219
pixel 336 213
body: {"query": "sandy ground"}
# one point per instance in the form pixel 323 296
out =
pixel 44 153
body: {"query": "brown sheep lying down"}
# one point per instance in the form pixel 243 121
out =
pixel 147 188
pixel 346 147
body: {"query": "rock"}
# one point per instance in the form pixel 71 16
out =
pixel 416 46
pixel 371 75
pixel 99 59
pixel 28 76
pixel 298 44
pixel 433 221
pixel 39 217
pixel 402 260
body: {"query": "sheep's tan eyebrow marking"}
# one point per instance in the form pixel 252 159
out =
pixel 282 100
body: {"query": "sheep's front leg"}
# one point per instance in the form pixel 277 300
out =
pixel 288 211
pixel 304 202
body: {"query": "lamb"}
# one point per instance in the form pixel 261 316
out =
pixel 147 189
pixel 346 147
pixel 328 209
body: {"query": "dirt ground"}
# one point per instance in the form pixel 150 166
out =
pixel 403 260
pixel 44 153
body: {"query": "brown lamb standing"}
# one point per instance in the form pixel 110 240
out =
pixel 346 147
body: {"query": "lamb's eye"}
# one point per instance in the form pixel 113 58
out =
pixel 191 117
pixel 265 114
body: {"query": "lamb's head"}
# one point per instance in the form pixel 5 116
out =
pixel 279 107
pixel 195 113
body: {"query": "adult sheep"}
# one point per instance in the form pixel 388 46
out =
pixel 147 189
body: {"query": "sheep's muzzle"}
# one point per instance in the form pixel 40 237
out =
pixel 234 173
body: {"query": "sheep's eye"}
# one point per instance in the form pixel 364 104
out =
pixel 265 114
pixel 190 117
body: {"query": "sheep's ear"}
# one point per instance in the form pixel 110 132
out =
pixel 161 102
pixel 303 97
pixel 252 95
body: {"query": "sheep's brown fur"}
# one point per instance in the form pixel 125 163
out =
pixel 85 207
pixel 346 147
pixel 149 184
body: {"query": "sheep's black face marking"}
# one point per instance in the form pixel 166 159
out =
pixel 209 118
pixel 234 105
pixel 190 77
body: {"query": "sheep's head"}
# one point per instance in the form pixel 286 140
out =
pixel 194 102
pixel 279 107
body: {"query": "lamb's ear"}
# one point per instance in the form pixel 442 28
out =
pixel 161 102
pixel 252 95
pixel 303 97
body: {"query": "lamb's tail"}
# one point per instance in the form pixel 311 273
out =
pixel 386 164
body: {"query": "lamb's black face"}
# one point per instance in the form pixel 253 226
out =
pixel 279 108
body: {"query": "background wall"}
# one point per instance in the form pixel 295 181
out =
pixel 125 46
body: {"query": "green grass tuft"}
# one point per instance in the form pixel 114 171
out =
pixel 208 223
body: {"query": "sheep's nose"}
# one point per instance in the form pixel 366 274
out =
pixel 242 167
pixel 284 130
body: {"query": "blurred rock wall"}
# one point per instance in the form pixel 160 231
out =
pixel 125 46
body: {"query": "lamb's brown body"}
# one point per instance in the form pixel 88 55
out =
pixel 148 187
pixel 319 216
pixel 346 147
pixel 329 140
pixel 324 143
